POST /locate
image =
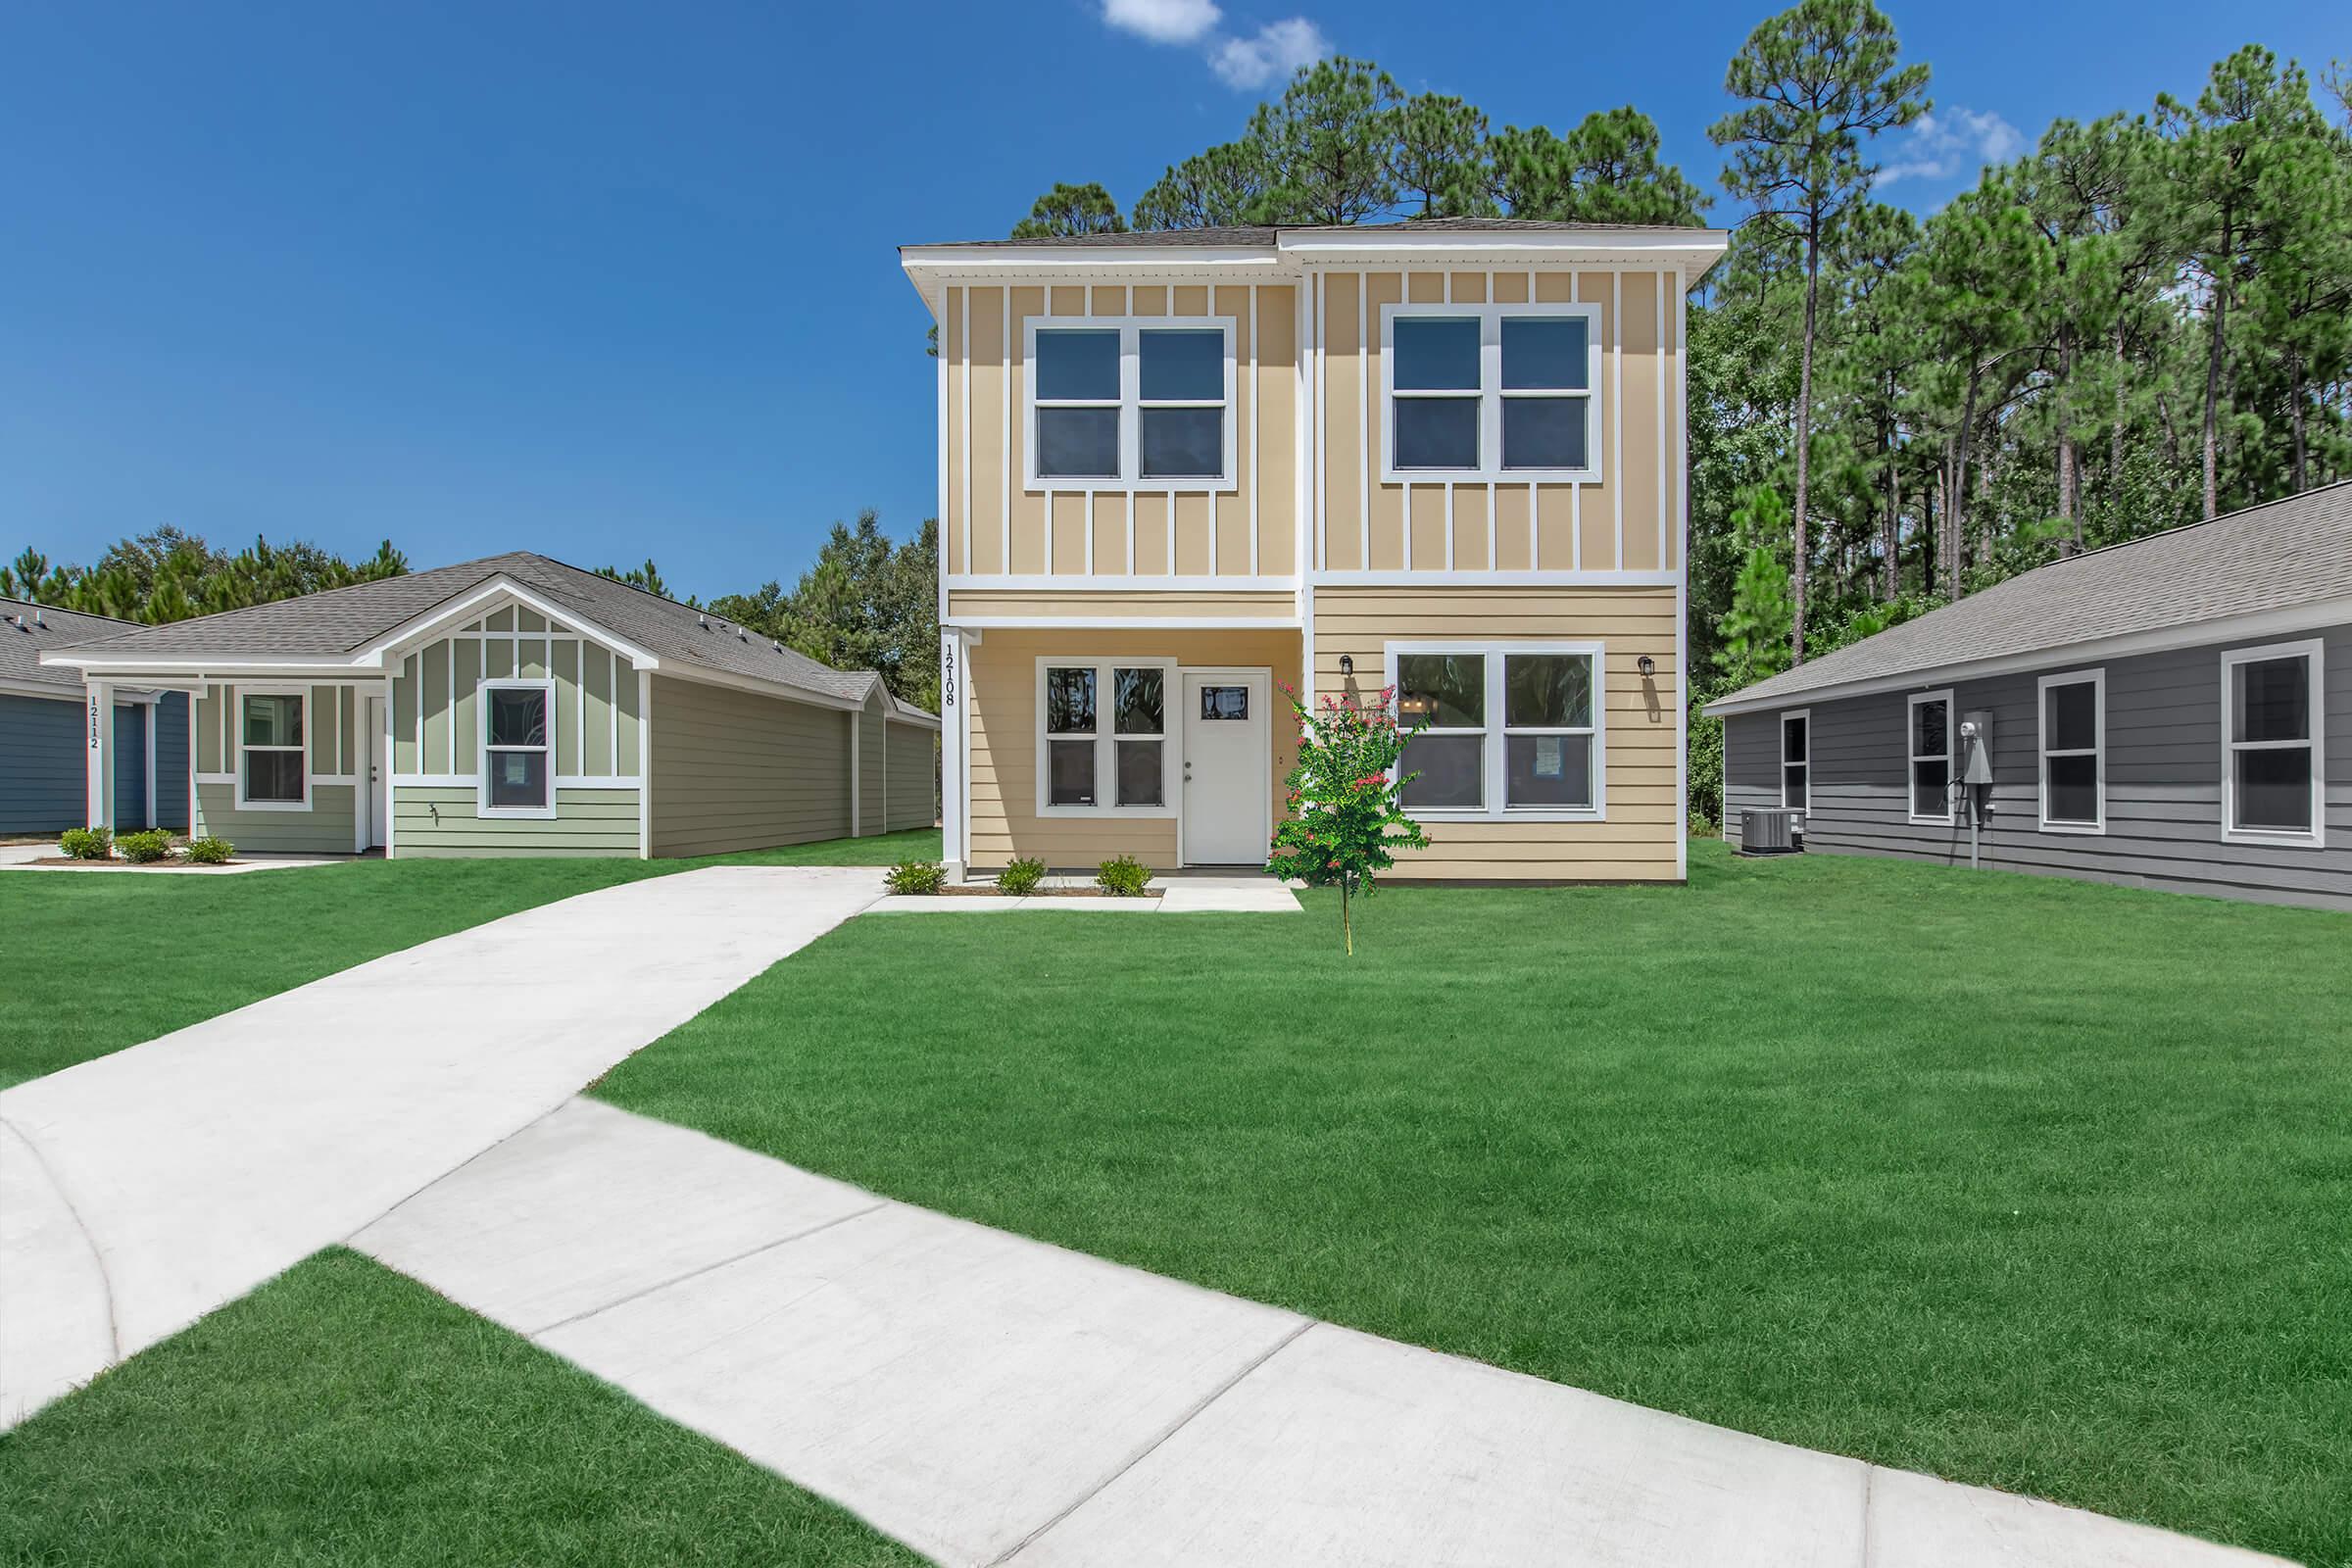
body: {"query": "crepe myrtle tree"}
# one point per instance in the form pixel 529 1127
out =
pixel 1346 799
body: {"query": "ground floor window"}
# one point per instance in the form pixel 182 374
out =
pixel 2272 775
pixel 1796 746
pixel 1931 731
pixel 273 769
pixel 1513 729
pixel 518 734
pixel 2073 763
pixel 1103 735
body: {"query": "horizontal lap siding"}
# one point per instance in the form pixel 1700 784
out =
pixel 1752 767
pixel 1638 840
pixel 733 770
pixel 913 777
pixel 43 782
pixel 326 828
pixel 590 822
pixel 2163 770
pixel 873 763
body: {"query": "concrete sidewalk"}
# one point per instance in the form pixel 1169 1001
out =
pixel 992 1400
pixel 146 1188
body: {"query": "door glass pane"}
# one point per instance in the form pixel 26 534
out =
pixel 2074 789
pixel 2071 717
pixel 1436 355
pixel 1082 365
pixel 1928 783
pixel 1139 775
pixel 1928 727
pixel 1452 769
pixel 1546 691
pixel 1541 353
pixel 517 718
pixel 1070 772
pixel 1436 432
pixel 273 721
pixel 1224 702
pixel 1449 690
pixel 274 775
pixel 1792 740
pixel 2273 700
pixel 2273 788
pixel 1138 697
pixel 517 778
pixel 1182 366
pixel 1070 699
pixel 1078 443
pixel 1548 770
pixel 1183 443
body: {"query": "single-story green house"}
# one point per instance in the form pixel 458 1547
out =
pixel 514 706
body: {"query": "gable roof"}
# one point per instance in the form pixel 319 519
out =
pixel 30 629
pixel 336 624
pixel 2280 556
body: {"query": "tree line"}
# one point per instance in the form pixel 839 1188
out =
pixel 167 574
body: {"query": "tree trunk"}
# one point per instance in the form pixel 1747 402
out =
pixel 1929 541
pixel 1347 921
pixel 1891 546
pixel 2294 419
pixel 2213 367
pixel 2069 499
pixel 1804 435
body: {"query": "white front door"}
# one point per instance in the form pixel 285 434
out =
pixel 1228 767
pixel 378 764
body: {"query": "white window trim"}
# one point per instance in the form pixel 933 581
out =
pixel 1105 738
pixel 544 685
pixel 1951 752
pixel 1493 777
pixel 1130 478
pixel 2096 680
pixel 1491 395
pixel 237 766
pixel 1805 713
pixel 2314 651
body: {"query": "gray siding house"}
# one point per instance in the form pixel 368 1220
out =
pixel 507 707
pixel 2174 712
pixel 45 773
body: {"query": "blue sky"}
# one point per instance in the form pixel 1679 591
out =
pixel 606 281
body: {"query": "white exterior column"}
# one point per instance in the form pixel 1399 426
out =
pixel 952 698
pixel 149 712
pixel 99 720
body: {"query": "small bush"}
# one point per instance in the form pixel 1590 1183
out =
pixel 210 851
pixel 87 843
pixel 1124 878
pixel 1021 877
pixel 916 877
pixel 145 848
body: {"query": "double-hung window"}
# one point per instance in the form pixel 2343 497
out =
pixel 1103 736
pixel 1796 768
pixel 274 771
pixel 1512 729
pixel 1132 403
pixel 2273 776
pixel 1931 729
pixel 1490 392
pixel 2073 752
pixel 518 718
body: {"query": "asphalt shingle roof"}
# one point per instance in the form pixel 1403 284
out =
pixel 1271 233
pixel 2272 557
pixel 341 620
pixel 29 628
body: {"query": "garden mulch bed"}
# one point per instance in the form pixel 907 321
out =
pixel 988 890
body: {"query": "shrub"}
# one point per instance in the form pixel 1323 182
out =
pixel 916 877
pixel 1021 877
pixel 87 843
pixel 1124 878
pixel 1348 794
pixel 210 851
pixel 145 848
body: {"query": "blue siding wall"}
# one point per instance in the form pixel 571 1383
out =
pixel 41 784
pixel 171 763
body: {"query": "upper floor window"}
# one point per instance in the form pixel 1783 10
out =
pixel 1512 728
pixel 2273 781
pixel 1490 391
pixel 1136 403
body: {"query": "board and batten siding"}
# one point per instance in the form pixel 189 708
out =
pixel 2163 761
pixel 1638 839
pixel 172 760
pixel 913 778
pixel 43 756
pixel 994 525
pixel 328 826
pixel 735 770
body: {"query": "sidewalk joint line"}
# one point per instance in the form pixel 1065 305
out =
pixel 414 1193
pixel 709 1268
pixel 1150 1447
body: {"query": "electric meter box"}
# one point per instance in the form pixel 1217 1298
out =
pixel 1975 735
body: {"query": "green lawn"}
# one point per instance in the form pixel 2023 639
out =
pixel 343 1414
pixel 2024 1181
pixel 99 960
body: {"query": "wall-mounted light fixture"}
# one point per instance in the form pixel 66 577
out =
pixel 1648 666
pixel 1347 663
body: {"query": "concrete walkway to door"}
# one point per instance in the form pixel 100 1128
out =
pixel 146 1188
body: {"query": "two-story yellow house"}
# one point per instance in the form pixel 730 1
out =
pixel 1181 471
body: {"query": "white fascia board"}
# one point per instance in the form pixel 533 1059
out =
pixel 2157 640
pixel 469 606
pixel 1693 251
pixel 932 270
pixel 914 721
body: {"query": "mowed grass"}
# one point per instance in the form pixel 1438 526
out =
pixel 95 962
pixel 344 1414
pixel 2028 1183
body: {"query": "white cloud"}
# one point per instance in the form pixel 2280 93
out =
pixel 1279 49
pixel 1163 21
pixel 1954 141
